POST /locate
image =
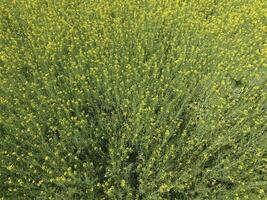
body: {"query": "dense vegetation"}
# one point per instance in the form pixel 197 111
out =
pixel 133 99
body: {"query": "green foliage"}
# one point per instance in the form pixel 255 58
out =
pixel 140 99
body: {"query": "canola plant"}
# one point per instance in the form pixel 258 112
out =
pixel 133 99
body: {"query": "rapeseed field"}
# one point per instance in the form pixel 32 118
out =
pixel 133 99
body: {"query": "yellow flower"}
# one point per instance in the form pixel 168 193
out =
pixel 10 167
pixel 122 183
pixel 261 191
pixel 164 188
